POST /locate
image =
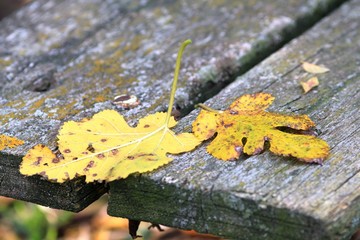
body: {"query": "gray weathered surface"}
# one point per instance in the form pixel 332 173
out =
pixel 62 60
pixel 267 196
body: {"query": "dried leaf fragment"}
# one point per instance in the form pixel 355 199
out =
pixel 9 142
pixel 310 84
pixel 126 101
pixel 105 147
pixel 313 68
pixel 245 126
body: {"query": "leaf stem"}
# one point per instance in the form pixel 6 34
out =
pixel 176 75
pixel 207 108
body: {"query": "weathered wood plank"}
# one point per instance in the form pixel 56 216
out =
pixel 267 196
pixel 62 60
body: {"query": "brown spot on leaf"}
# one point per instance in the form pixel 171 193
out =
pixel 100 155
pixel 228 125
pixel 37 162
pixel 103 140
pixel 131 157
pixel 146 125
pixel 114 151
pixel 55 160
pixel 210 134
pixel 90 164
pixel 145 154
pixel 90 148
pixel 67 151
pixel 58 154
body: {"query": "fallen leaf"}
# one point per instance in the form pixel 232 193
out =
pixel 310 84
pixel 245 126
pixel 106 148
pixel 312 68
pixel 9 142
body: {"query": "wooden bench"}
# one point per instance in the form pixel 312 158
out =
pixel 62 60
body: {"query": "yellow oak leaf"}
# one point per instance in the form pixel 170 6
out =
pixel 245 126
pixel 9 142
pixel 105 147
pixel 313 68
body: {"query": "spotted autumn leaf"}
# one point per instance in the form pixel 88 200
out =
pixel 245 126
pixel 9 142
pixel 106 148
